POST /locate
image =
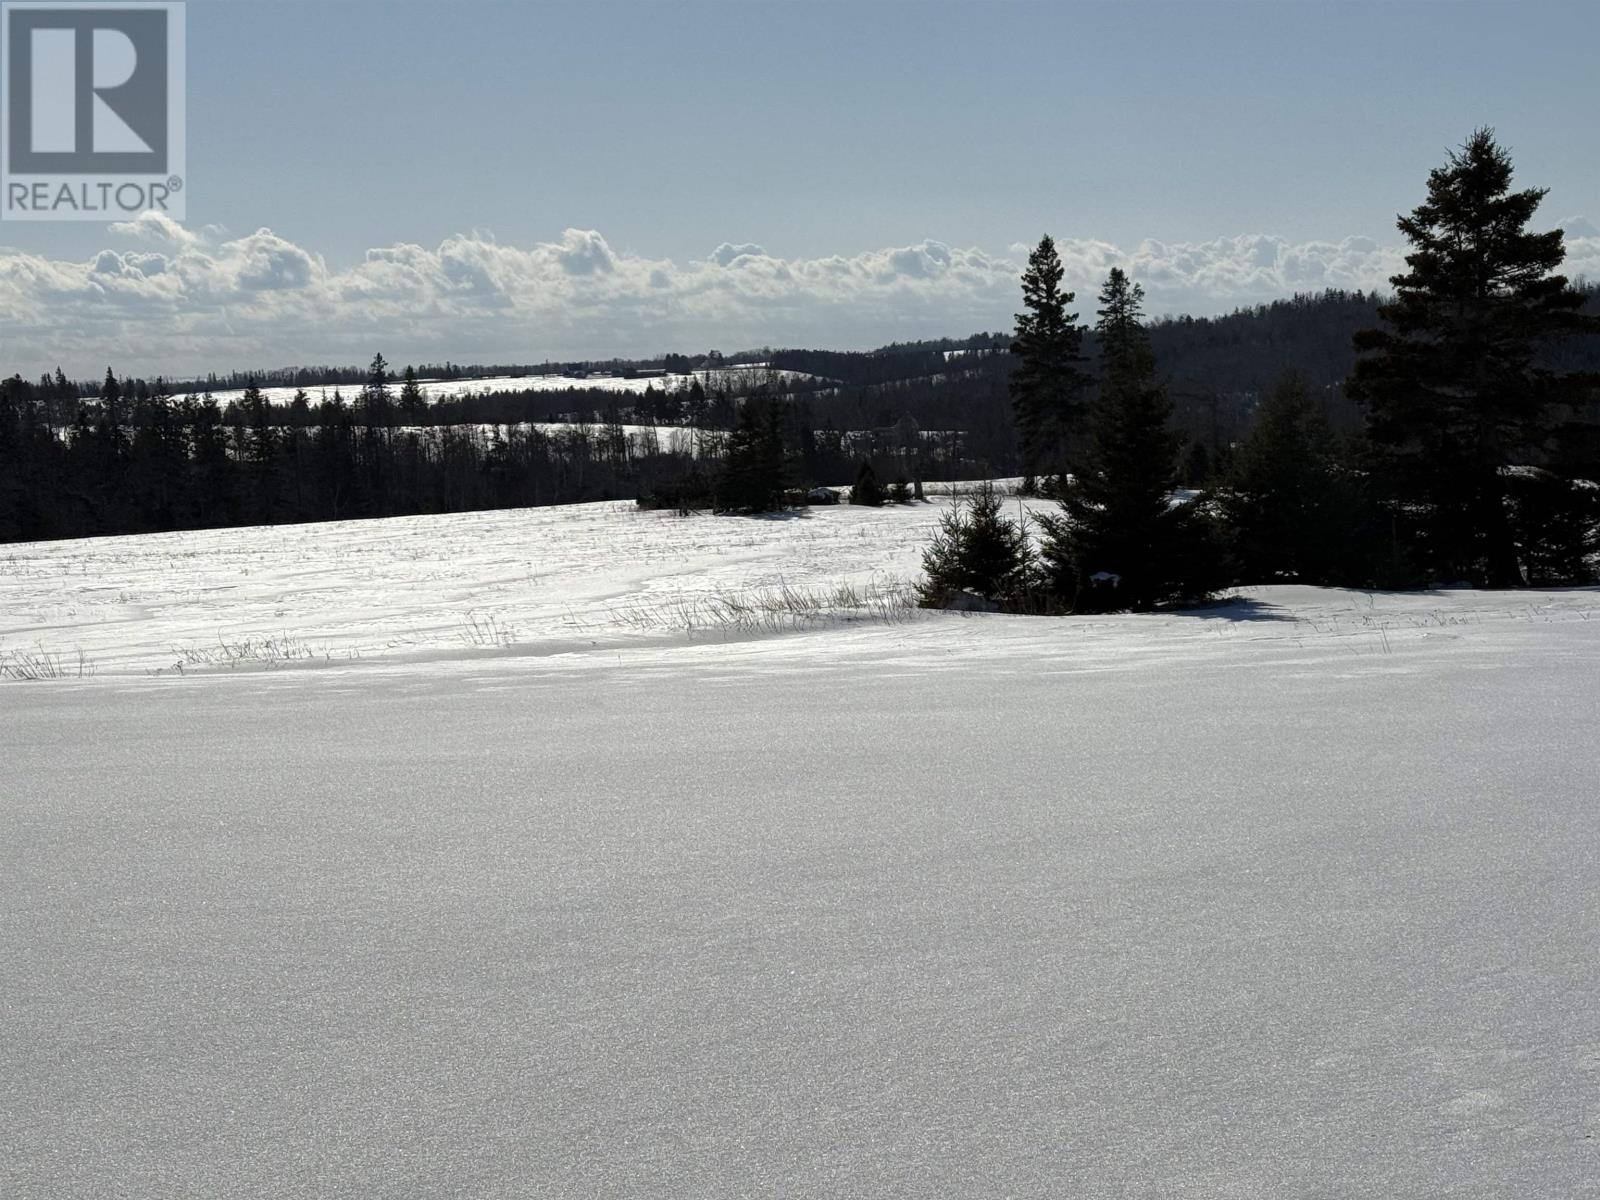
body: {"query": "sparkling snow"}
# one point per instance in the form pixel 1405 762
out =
pixel 1295 896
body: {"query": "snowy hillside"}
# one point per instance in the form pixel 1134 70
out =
pixel 525 581
pixel 734 378
pixel 526 873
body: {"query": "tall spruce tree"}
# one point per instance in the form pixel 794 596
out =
pixel 259 453
pixel 376 402
pixel 110 400
pixel 413 406
pixel 1119 542
pixel 1048 383
pixel 1454 387
pixel 754 471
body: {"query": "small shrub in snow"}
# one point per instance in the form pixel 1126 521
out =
pixel 978 549
pixel 866 489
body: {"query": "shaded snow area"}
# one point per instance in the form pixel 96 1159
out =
pixel 1291 897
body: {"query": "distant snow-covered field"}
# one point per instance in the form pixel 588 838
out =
pixel 438 389
pixel 504 854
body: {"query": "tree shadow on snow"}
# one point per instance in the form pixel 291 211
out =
pixel 788 514
pixel 1235 608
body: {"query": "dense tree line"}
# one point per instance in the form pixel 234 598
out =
pixel 956 422
pixel 352 375
pixel 893 363
pixel 1473 460
pixel 155 462
pixel 1217 372
pixel 138 460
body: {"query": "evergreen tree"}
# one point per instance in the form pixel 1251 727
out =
pixel 375 409
pixel 977 549
pixel 64 405
pixel 376 403
pixel 333 458
pixel 1282 500
pixel 413 406
pixel 1454 387
pixel 215 497
pixel 1196 470
pixel 866 489
pixel 694 406
pixel 722 412
pixel 1555 525
pixel 1119 542
pixel 300 410
pixel 31 484
pixel 297 447
pixel 1048 381
pixel 260 455
pixel 753 476
pixel 669 406
pixel 110 400
pixel 157 467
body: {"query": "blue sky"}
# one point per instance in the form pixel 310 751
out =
pixel 555 179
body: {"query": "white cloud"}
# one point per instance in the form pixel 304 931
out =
pixel 179 301
pixel 1583 250
pixel 584 252
pixel 725 254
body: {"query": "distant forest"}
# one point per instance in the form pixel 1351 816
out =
pixel 123 455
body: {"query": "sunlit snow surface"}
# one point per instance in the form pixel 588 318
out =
pixel 1291 897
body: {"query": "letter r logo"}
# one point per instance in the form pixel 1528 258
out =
pixel 86 89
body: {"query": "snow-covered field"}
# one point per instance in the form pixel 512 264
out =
pixel 1295 896
pixel 735 378
pixel 507 583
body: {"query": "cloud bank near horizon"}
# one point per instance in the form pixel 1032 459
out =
pixel 177 301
